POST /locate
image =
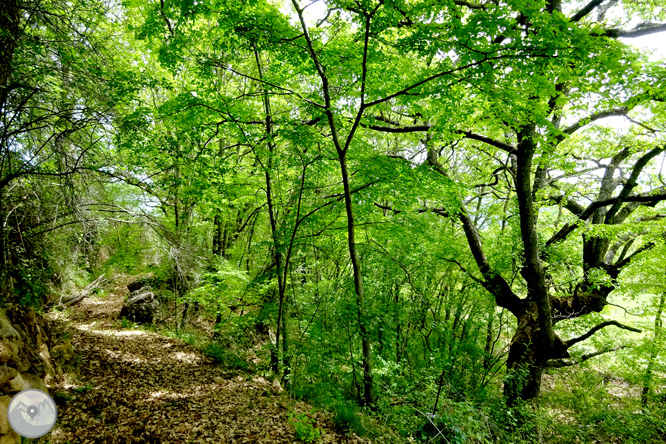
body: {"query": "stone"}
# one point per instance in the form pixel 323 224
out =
pixel 10 438
pixel 44 352
pixel 23 365
pixel 4 422
pixel 9 332
pixel 141 283
pixel 6 352
pixel 34 382
pixel 16 385
pixel 45 357
pixel 63 358
pixel 7 373
pixel 140 307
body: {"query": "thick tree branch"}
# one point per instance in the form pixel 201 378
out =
pixel 493 282
pixel 625 261
pixel 497 144
pixel 639 31
pixel 595 329
pixel 570 204
pixel 399 129
pixel 166 20
pixel 558 363
pixel 622 111
pixel 643 198
pixel 585 10
pixel 632 182
pixel 562 234
pixel 469 5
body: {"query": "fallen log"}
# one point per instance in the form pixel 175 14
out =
pixel 75 298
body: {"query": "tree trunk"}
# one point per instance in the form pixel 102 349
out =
pixel 217 235
pixel 277 256
pixel 218 319
pixel 368 395
pixel 186 314
pixel 9 31
pixel 487 350
pixel 529 353
pixel 647 380
pixel 525 363
pixel 396 314
pixel 286 364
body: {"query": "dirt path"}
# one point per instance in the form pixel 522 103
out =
pixel 139 386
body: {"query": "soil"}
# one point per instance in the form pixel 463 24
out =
pixel 138 386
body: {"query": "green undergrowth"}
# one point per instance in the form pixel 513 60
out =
pixel 586 406
pixel 228 357
pixel 576 406
pixel 304 427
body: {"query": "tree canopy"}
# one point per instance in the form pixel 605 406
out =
pixel 462 190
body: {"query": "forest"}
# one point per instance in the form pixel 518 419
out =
pixel 428 221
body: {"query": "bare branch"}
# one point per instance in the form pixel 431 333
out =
pixel 639 31
pixel 632 182
pixel 644 198
pixel 622 111
pixel 501 145
pixel 585 10
pixel 558 363
pixel 562 234
pixel 399 129
pixel 624 262
pixel 595 329
pixel 470 5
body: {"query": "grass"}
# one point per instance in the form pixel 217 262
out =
pixel 347 420
pixel 84 389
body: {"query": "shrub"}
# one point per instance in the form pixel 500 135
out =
pixel 304 427
pixel 126 323
pixel 228 358
pixel 346 419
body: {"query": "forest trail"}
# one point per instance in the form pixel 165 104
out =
pixel 139 386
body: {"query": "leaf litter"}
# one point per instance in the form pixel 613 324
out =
pixel 139 386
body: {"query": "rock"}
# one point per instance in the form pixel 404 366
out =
pixel 6 352
pixel 142 290
pixel 6 329
pixel 63 357
pixel 34 382
pixel 9 332
pixel 140 308
pixel 10 438
pixel 141 283
pixel 7 373
pixel 277 387
pixel 47 366
pixel 4 422
pixel 16 384
pixel 23 365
